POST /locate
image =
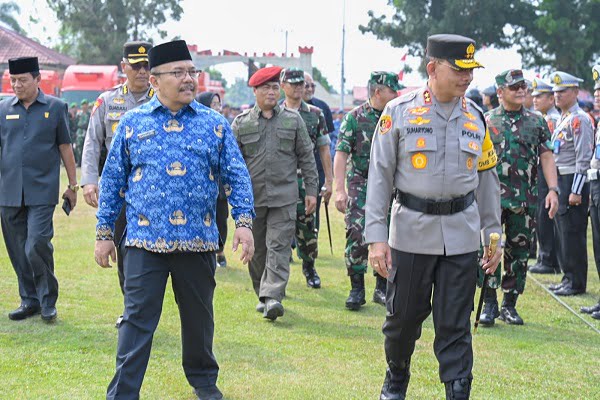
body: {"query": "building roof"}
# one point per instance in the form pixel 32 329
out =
pixel 13 45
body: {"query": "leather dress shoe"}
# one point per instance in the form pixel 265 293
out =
pixel 567 290
pixel 49 314
pixel 23 312
pixel 273 309
pixel 459 389
pixel 556 286
pixel 209 393
pixel 596 315
pixel 590 310
pixel 543 269
pixel 260 307
pixel 396 383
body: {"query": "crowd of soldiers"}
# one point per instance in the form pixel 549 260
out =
pixel 424 181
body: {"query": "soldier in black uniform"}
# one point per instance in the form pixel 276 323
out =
pixel 34 137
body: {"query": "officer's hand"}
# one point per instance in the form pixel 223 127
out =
pixel 574 199
pixel 310 204
pixel 326 191
pixel 244 236
pixel 341 201
pixel 380 257
pixel 90 195
pixel 71 196
pixel 552 203
pixel 104 249
pixel 490 265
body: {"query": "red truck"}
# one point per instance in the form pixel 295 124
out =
pixel 88 81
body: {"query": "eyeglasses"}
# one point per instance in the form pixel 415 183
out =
pixel 139 66
pixel 180 73
pixel 309 86
pixel 516 87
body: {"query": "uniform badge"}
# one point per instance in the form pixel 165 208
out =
pixel 427 97
pixel 419 121
pixel 470 163
pixel 419 161
pixel 97 104
pixel 176 169
pixel 13 116
pixel 173 126
pixel 471 126
pixel 385 124
pixel 464 104
pixel 46 114
pixel 557 79
pixel 119 100
pixel 595 75
pixel 419 110
pixel 474 146
pixel 470 116
pixel 420 143
pixel 575 123
pixel 177 218
pixel 113 127
pixel 218 130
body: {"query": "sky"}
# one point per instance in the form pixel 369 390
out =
pixel 260 25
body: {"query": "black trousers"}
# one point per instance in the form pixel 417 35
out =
pixel 417 280
pixel 571 223
pixel 120 229
pixel 545 227
pixel 146 274
pixel 595 217
pixel 28 231
pixel 222 215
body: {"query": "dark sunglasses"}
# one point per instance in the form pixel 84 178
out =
pixel 140 65
pixel 516 87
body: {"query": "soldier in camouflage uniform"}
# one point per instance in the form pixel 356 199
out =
pixel 521 140
pixel 83 119
pixel 547 263
pixel 354 140
pixel 292 84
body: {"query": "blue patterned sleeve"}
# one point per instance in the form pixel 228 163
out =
pixel 113 183
pixel 236 180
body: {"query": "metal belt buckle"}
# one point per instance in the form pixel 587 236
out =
pixel 444 208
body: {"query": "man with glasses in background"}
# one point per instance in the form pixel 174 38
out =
pixel 521 141
pixel 108 110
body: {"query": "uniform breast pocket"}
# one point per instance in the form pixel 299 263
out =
pixel 250 143
pixel 287 140
pixel 421 152
pixel 528 142
pixel 470 151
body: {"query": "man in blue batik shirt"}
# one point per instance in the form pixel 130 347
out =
pixel 165 163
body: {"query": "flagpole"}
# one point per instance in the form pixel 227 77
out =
pixel 343 78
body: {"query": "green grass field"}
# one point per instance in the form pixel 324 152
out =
pixel 318 350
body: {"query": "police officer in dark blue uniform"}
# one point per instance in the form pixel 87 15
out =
pixel 34 136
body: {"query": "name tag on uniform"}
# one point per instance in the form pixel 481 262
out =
pixel 14 116
pixel 146 134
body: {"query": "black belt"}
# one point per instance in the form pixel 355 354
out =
pixel 444 207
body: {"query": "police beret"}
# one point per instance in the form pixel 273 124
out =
pixel 562 81
pixel 596 76
pixel 458 50
pixel 264 75
pixel 292 75
pixel 164 53
pixel 509 77
pixel 135 52
pixel 23 65
pixel 389 79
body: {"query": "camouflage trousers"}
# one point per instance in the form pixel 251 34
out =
pixel 306 230
pixel 78 153
pixel 519 224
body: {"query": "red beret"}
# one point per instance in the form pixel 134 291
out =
pixel 264 75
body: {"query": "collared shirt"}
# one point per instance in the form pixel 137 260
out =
pixel 273 149
pixel 520 138
pixel 419 150
pixel 30 157
pixel 356 133
pixel 106 114
pixel 166 168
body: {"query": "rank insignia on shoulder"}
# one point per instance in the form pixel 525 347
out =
pixel 385 124
pixel 427 97
pixel 470 116
pixel 419 110
pixel 119 100
pixel 471 126
pixel 419 121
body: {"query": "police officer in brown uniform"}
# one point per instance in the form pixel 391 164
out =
pixel 274 142
pixel 432 147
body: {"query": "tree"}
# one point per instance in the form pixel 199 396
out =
pixel 239 93
pixel 7 11
pixel 216 75
pixel 94 31
pixel 318 76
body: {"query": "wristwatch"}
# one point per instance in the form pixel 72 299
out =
pixel 74 187
pixel 555 189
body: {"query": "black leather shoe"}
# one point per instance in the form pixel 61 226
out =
pixel 596 315
pixel 590 310
pixel 459 389
pixel 510 316
pixel 395 383
pixel 380 288
pixel 221 261
pixel 260 307
pixel 23 312
pixel 310 273
pixel 49 314
pixel 490 308
pixel 556 286
pixel 209 393
pixel 543 269
pixel 356 298
pixel 568 291
pixel 273 309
